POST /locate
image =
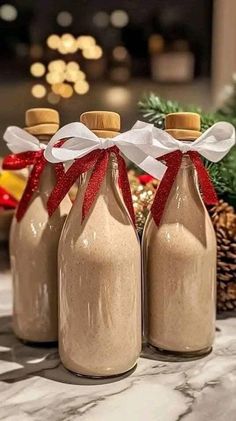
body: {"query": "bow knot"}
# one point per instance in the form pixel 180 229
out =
pixel 184 147
pixel 106 143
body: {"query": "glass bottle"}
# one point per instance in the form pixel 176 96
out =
pixel 33 248
pixel 179 261
pixel 100 276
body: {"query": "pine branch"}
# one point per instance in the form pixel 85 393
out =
pixel 223 174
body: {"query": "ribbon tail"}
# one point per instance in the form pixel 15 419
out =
pixel 31 187
pixel 59 170
pixel 64 183
pixel 207 189
pixel 95 182
pixel 125 186
pixel 164 188
pixel 18 161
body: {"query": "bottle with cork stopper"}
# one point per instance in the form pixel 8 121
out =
pixel 100 275
pixel 34 245
pixel 179 260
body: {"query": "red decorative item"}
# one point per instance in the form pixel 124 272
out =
pixel 23 160
pixel 173 161
pixel 98 161
pixel 7 201
pixel 145 179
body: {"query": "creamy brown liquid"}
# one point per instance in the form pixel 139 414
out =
pixel 180 271
pixel 100 287
pixel 33 251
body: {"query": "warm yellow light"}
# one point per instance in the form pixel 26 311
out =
pixel 74 75
pixel 85 41
pixel 81 87
pixel 55 77
pixel 81 75
pixel 72 65
pixel 62 49
pixel 65 90
pixel 57 66
pixel 57 88
pixel 53 98
pixel 68 41
pixel 120 53
pixel 92 53
pixel 53 41
pixel 38 91
pixel 37 69
pixel 119 18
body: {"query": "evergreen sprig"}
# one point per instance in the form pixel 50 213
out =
pixel 223 174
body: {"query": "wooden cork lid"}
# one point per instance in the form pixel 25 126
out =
pixel 102 123
pixel 183 126
pixel 42 121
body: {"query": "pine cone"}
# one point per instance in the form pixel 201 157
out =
pixel 224 220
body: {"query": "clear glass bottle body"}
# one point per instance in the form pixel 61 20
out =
pixel 100 285
pixel 33 253
pixel 179 263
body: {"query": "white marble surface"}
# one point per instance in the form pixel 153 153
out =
pixel 34 385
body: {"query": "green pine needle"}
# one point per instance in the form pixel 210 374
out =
pixel 223 174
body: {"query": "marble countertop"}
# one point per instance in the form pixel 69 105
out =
pixel 35 386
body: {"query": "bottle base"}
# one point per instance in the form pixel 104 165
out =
pixel 105 377
pixel 179 355
pixel 51 344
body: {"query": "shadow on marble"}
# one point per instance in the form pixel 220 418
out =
pixel 152 353
pixel 30 361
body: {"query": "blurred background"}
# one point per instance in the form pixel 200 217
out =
pixel 78 55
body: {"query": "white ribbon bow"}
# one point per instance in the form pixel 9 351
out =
pixel 83 141
pixel 213 144
pixel 19 140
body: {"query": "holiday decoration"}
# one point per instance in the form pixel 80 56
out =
pixel 223 174
pixel 224 221
pixel 63 78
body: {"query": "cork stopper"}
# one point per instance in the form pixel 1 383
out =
pixel 42 121
pixel 183 126
pixel 102 123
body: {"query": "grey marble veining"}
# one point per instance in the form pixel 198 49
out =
pixel 35 386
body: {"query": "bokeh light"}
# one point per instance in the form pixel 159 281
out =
pixel 101 19
pixel 53 41
pixel 37 69
pixel 72 65
pixel 57 66
pixel 120 53
pixel 38 91
pixel 92 53
pixel 8 12
pixel 65 90
pixel 85 41
pixel 81 87
pixel 64 18
pixel 119 18
pixel 55 77
pixel 53 98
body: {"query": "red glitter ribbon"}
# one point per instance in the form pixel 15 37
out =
pixel 173 161
pixel 23 160
pixel 97 161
